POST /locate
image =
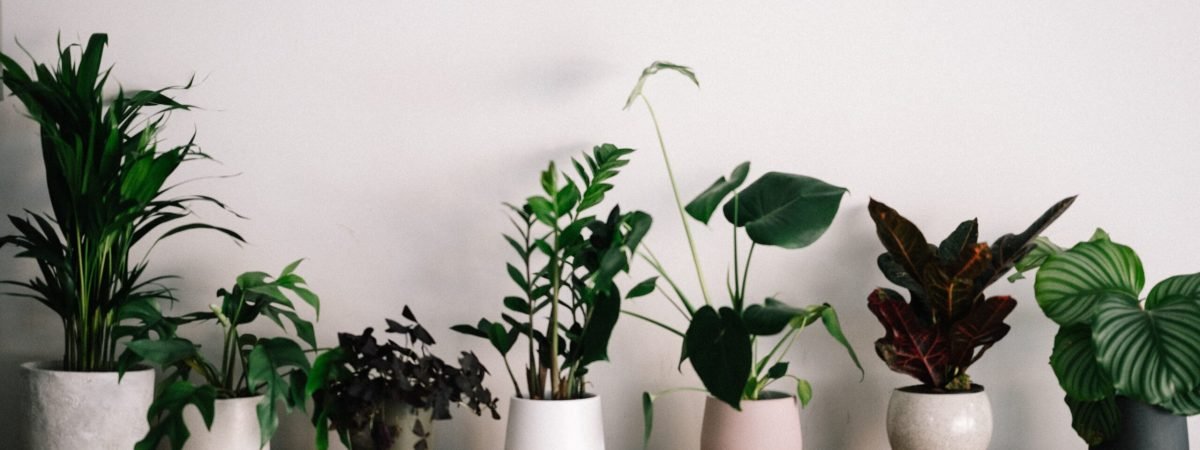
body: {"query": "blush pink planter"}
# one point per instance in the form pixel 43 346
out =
pixel 919 420
pixel 765 424
pixel 555 424
pixel 85 410
pixel 234 427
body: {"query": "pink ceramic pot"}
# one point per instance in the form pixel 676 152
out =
pixel 768 424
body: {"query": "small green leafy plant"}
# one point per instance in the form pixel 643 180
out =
pixel 106 178
pixel 780 210
pixel 354 385
pixel 567 259
pixel 949 323
pixel 1111 343
pixel 273 367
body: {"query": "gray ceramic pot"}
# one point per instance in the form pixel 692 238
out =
pixel 78 410
pixel 1147 427
pixel 918 420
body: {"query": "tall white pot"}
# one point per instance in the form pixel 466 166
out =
pixel 555 424
pixel 771 423
pixel 234 427
pixel 80 410
pixel 943 421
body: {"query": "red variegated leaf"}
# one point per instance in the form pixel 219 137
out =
pixel 909 346
pixel 980 329
pixel 1010 248
pixel 902 239
pixel 951 289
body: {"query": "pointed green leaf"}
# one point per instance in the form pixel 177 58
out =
pixel 703 206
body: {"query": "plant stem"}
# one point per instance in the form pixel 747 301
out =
pixel 556 285
pixel 687 230
pixel 660 324
pixel 746 271
pixel 512 377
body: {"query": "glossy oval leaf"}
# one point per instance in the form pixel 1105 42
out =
pixel 1153 354
pixel 1070 285
pixel 785 210
pixel 1074 363
pixel 703 206
pixel 720 351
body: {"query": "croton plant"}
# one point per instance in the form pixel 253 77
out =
pixel 948 323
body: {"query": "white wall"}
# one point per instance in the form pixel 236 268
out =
pixel 378 139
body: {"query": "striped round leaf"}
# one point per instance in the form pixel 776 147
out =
pixel 1151 354
pixel 1185 403
pixel 1179 288
pixel 1070 284
pixel 1074 362
pixel 1095 422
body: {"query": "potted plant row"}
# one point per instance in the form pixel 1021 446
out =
pixel 106 175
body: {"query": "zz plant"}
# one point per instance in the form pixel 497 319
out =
pixel 778 209
pixel 355 385
pixel 1111 342
pixel 106 176
pixel 948 323
pixel 274 367
pixel 567 258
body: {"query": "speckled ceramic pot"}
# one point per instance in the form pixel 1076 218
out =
pixel 82 410
pixel 771 423
pixel 918 420
pixel 234 427
pixel 555 424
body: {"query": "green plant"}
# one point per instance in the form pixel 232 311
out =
pixel 949 323
pixel 353 384
pixel 106 178
pixel 779 209
pixel 1109 342
pixel 275 368
pixel 568 259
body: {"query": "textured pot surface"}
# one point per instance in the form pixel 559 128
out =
pixel 80 410
pixel 1147 427
pixel 234 427
pixel 555 424
pixel 410 426
pixel 766 424
pixel 951 421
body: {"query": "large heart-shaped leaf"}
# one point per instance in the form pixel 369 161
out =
pixel 785 210
pixel 1074 363
pixel 908 346
pixel 1070 285
pixel 707 202
pixel 1151 354
pixel 720 351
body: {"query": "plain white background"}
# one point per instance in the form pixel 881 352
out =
pixel 379 138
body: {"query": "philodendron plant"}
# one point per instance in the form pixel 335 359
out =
pixel 1111 343
pixel 354 384
pixel 274 367
pixel 948 323
pixel 567 259
pixel 778 209
pixel 106 176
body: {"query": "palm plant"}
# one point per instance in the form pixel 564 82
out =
pixel 106 178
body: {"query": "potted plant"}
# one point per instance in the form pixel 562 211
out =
pixel 567 260
pixel 1130 368
pixel 106 176
pixel 945 327
pixel 779 210
pixel 386 396
pixel 253 376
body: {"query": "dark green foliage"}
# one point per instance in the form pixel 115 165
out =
pixel 276 368
pixel 567 260
pixel 106 177
pixel 353 384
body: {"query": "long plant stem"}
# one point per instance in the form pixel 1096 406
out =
pixel 687 230
pixel 556 285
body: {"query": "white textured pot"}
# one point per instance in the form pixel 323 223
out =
pixel 917 420
pixel 409 424
pixel 555 424
pixel 78 410
pixel 234 427
pixel 771 423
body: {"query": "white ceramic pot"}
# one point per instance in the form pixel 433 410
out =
pixel 411 426
pixel 771 423
pixel 946 421
pixel 234 427
pixel 555 424
pixel 77 410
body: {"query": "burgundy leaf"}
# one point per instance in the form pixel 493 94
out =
pixel 952 290
pixel 909 346
pixel 981 328
pixel 901 238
